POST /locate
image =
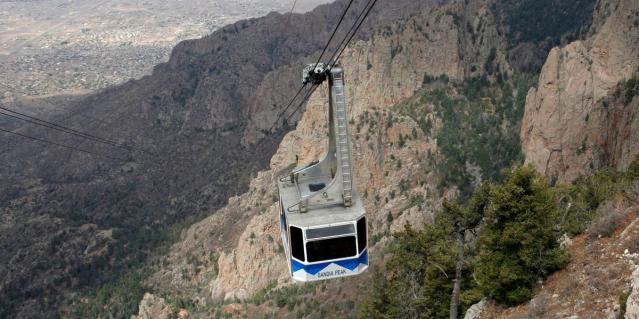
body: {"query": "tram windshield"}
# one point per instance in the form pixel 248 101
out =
pixel 333 248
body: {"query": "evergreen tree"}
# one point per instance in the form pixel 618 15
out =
pixel 417 280
pixel 427 271
pixel 518 239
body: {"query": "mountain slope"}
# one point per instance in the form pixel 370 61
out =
pixel 71 221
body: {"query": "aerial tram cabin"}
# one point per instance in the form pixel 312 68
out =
pixel 322 219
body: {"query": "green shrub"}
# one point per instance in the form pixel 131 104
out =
pixel 580 200
pixel 609 219
pixel 623 301
pixel 631 89
pixel 518 223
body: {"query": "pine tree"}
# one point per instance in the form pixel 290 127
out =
pixel 518 240
pixel 417 280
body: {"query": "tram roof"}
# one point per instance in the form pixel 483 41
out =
pixel 322 216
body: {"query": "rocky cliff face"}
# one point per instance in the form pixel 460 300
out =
pixel 204 111
pixel 574 122
pixel 391 65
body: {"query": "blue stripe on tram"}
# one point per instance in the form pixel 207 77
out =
pixel 313 269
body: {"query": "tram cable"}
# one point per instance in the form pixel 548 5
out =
pixel 36 121
pixel 63 145
pixel 283 112
pixel 279 115
pixel 306 97
pixel 351 33
pixel 291 13
pixel 356 26
pixel 55 128
pixel 334 31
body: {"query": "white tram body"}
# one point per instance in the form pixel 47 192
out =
pixel 323 243
pixel 322 219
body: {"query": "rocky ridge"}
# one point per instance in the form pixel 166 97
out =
pixel 573 124
pixel 203 103
pixel 581 118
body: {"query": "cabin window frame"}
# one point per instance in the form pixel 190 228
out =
pixel 283 221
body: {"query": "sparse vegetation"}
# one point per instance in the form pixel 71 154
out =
pixel 538 307
pixel 607 222
pixel 480 125
pixel 581 201
pixel 510 241
pixel 560 18
pixel 119 298
pixel 623 301
pixel 631 89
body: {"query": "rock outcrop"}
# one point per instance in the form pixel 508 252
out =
pixel 572 126
pixel 632 304
pixel 475 310
pixel 153 307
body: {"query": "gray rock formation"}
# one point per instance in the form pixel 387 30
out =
pixel 571 127
pixel 632 305
pixel 153 307
pixel 475 310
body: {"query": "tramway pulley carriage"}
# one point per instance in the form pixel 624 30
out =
pixel 321 216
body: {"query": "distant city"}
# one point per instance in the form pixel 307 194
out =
pixel 68 47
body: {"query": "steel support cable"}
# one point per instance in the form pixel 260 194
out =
pixel 365 12
pixel 54 128
pixel 134 146
pixel 306 97
pixel 368 11
pixel 355 28
pixel 63 145
pixel 334 31
pixel 56 125
pixel 64 129
pixel 312 90
pixel 281 113
pixel 291 13
pixel 318 61
pixel 355 24
pixel 264 141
